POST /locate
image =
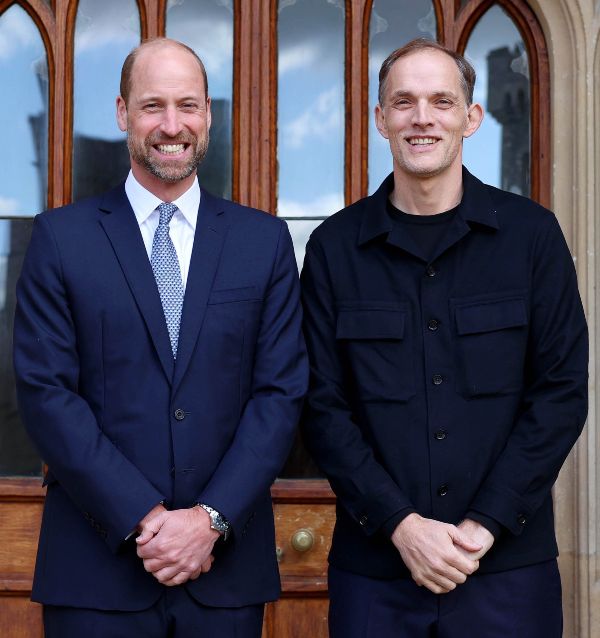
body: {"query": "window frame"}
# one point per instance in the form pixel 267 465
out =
pixel 255 86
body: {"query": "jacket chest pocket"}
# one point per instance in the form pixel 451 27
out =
pixel 492 341
pixel 376 352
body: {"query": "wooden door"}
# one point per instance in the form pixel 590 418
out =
pixel 304 517
pixel 294 87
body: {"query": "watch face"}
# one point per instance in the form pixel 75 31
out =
pixel 217 522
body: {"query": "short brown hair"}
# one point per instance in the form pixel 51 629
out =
pixel 465 69
pixel 125 86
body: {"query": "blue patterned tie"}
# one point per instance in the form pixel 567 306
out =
pixel 167 273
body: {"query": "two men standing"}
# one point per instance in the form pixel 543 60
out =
pixel 448 352
pixel 161 369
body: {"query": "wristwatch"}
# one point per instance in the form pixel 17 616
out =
pixel 217 521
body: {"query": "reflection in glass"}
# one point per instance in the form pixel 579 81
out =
pixel 207 27
pixel 17 456
pixel 105 32
pixel 310 108
pixel 300 230
pixel 299 464
pixel 499 152
pixel 24 114
pixel 393 23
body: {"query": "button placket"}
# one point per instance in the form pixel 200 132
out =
pixel 437 365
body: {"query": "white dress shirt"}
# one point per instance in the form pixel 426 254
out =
pixel 182 226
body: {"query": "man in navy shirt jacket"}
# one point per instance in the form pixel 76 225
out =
pixel 449 352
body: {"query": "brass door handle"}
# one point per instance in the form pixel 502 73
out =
pixel 303 540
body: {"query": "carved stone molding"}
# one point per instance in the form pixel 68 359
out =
pixel 571 28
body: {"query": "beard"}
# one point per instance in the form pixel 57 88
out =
pixel 169 170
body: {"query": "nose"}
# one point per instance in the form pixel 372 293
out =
pixel 422 114
pixel 170 124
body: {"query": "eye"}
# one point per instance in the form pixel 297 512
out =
pixel 151 106
pixel 401 102
pixel 444 102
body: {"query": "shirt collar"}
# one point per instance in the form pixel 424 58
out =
pixel 144 202
pixel 476 206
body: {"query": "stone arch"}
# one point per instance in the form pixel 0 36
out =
pixel 571 30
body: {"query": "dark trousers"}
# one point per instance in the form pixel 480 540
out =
pixel 520 603
pixel 175 615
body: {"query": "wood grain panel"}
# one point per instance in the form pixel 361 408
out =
pixel 20 618
pixel 302 491
pixel 255 90
pixel 19 529
pixel 296 618
pixel 317 520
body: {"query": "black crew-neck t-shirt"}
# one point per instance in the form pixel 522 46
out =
pixel 426 230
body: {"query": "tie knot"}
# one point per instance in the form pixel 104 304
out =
pixel 166 212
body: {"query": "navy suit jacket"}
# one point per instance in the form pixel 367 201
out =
pixel 122 426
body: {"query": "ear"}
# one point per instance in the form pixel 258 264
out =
pixel 121 113
pixel 380 121
pixel 208 114
pixel 474 119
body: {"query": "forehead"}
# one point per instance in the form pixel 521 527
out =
pixel 166 68
pixel 424 71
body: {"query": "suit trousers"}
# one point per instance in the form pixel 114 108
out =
pixel 518 603
pixel 175 615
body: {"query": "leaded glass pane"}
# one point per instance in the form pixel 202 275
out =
pixel 206 26
pixel 17 455
pixel 310 111
pixel 393 23
pixel 105 32
pixel 24 113
pixel 499 152
pixel 310 134
pixel 23 193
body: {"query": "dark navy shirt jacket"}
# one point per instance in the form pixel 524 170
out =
pixel 452 384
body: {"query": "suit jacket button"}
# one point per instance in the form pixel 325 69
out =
pixel 179 414
pixel 522 519
pixel 363 520
pixel 443 490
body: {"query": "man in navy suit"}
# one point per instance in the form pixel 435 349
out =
pixel 448 354
pixel 160 372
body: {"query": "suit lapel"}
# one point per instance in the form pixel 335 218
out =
pixel 124 234
pixel 211 229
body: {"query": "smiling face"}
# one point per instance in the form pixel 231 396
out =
pixel 167 117
pixel 425 116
